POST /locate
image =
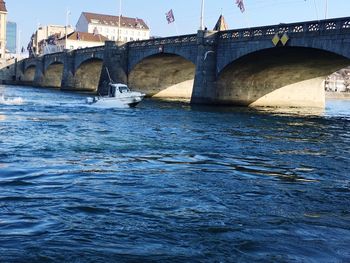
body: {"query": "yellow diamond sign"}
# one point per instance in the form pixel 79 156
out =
pixel 275 39
pixel 284 39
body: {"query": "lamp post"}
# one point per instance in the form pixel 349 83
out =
pixel 316 9
pixel 120 12
pixel 37 40
pixel 201 27
pixel 67 21
pixel 19 42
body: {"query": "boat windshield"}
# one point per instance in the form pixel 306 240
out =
pixel 123 89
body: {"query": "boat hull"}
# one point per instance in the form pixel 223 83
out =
pixel 115 102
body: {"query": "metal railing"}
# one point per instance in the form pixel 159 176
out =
pixel 329 25
pixel 164 41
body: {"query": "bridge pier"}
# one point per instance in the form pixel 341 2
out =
pixel 39 73
pixel 116 62
pixel 68 72
pixel 204 87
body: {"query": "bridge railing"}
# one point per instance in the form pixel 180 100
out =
pixel 89 50
pixel 327 26
pixel 76 51
pixel 164 41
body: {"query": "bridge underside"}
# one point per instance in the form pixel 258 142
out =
pixel 87 76
pixel 29 74
pixel 53 76
pixel 163 76
pixel 278 77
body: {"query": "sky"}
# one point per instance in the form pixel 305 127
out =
pixel 28 14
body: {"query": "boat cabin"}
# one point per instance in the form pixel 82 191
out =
pixel 120 88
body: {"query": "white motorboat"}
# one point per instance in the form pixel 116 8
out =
pixel 119 95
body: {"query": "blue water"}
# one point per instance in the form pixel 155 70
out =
pixel 168 182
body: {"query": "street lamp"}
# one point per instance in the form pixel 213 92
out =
pixel 67 17
pixel 19 42
pixel 120 12
pixel 37 40
pixel 201 27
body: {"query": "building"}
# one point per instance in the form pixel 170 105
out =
pixel 77 40
pixel 11 37
pixel 3 19
pixel 338 81
pixel 115 28
pixel 36 44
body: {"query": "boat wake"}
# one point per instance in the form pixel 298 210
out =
pixel 11 101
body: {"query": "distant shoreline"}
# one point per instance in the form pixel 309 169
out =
pixel 338 95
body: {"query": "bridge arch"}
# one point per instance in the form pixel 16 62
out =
pixel 87 74
pixel 278 77
pixel 53 74
pixel 229 57
pixel 185 52
pixel 163 75
pixel 29 73
pixel 50 59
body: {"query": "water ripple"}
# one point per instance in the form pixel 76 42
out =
pixel 170 182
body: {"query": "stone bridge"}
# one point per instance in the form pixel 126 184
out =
pixel 280 65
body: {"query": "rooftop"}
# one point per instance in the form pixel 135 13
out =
pixel 2 6
pixel 83 36
pixel 109 20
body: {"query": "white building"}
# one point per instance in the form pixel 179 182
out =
pixel 37 43
pixel 77 40
pixel 115 28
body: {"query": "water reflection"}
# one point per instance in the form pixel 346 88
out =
pixel 306 112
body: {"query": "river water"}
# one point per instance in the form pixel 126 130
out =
pixel 170 182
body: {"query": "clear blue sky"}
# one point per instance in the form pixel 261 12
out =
pixel 28 13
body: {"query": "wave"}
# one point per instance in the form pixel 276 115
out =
pixel 12 101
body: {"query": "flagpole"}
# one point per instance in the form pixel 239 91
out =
pixel 177 30
pixel 19 42
pixel 316 9
pixel 326 9
pixel 67 14
pixel 202 17
pixel 120 13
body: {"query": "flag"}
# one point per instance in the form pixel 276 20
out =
pixel 240 5
pixel 170 16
